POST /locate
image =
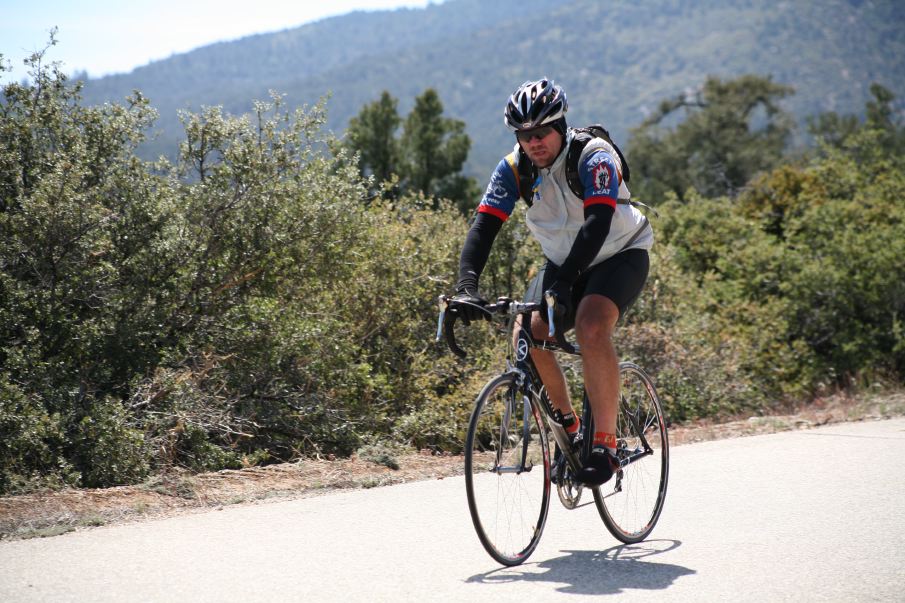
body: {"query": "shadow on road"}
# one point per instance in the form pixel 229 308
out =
pixel 598 572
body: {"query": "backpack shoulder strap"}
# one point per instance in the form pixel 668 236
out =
pixel 525 174
pixel 580 139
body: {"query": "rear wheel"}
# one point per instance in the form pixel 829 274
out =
pixel 631 502
pixel 507 471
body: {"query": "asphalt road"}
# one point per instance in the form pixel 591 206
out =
pixel 815 515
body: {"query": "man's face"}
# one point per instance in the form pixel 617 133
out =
pixel 541 144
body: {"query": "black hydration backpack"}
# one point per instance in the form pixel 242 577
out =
pixel 527 172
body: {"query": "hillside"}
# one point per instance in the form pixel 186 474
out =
pixel 616 60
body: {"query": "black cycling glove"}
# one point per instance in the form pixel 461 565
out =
pixel 468 304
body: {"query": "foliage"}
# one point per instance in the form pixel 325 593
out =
pixel 81 302
pixel 240 306
pixel 433 151
pixel 427 158
pixel 372 133
pixel 719 145
pixel 245 305
pixel 833 130
pixel 31 441
pixel 792 289
pixel 843 217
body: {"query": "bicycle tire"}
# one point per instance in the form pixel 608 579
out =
pixel 508 506
pixel 631 502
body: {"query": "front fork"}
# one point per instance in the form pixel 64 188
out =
pixel 518 403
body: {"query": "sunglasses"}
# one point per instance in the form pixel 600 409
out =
pixel 539 133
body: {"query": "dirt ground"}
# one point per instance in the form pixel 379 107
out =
pixel 57 512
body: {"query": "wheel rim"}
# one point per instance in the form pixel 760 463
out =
pixel 508 506
pixel 631 502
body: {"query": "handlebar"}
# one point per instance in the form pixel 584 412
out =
pixel 504 305
pixel 445 327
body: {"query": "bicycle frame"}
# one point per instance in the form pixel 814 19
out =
pixel 528 380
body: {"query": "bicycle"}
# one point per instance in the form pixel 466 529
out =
pixel 507 456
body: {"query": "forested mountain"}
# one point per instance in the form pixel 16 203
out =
pixel 617 60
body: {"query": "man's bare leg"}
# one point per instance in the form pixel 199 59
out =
pixel 594 325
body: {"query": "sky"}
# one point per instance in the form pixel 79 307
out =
pixel 115 36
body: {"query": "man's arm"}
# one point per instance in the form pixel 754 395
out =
pixel 476 250
pixel 596 227
pixel 600 179
pixel 495 207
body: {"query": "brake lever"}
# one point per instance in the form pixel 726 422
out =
pixel 444 305
pixel 551 304
pixel 445 328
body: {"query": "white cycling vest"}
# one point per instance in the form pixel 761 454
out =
pixel 556 215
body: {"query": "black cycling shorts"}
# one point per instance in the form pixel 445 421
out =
pixel 619 278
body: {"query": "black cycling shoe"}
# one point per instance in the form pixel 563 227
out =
pixel 599 468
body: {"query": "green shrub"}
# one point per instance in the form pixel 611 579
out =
pixel 31 443
pixel 107 449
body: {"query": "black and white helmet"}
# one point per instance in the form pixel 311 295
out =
pixel 535 104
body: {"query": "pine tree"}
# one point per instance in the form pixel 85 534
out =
pixel 429 156
pixel 373 135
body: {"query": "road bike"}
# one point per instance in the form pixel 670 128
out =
pixel 508 466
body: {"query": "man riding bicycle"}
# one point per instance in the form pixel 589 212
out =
pixel 595 246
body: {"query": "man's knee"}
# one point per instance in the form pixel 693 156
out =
pixel 596 321
pixel 591 331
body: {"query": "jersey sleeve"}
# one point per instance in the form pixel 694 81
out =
pixel 599 179
pixel 502 191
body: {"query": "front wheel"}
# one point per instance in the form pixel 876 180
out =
pixel 631 502
pixel 507 471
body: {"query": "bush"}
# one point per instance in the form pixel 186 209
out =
pixel 794 289
pixel 31 443
pixel 108 450
pixel 676 332
pixel 849 294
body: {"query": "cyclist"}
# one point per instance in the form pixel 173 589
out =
pixel 595 250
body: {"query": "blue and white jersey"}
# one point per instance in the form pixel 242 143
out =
pixel 556 214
